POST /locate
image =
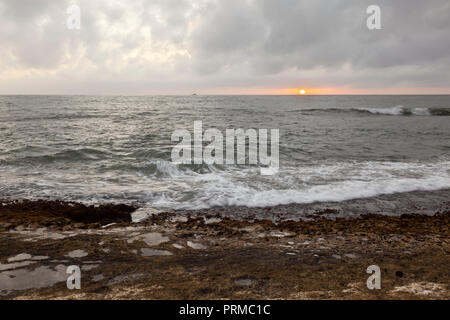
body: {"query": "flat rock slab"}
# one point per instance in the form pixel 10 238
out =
pixel 145 252
pixel 77 254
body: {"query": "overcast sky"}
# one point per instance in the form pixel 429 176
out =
pixel 224 47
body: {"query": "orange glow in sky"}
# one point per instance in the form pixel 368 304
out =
pixel 311 91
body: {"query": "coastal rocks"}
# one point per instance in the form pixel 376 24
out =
pixel 59 213
pixel 21 260
pixel 98 277
pixel 232 263
pixel 39 258
pixel 108 225
pixel 279 234
pixel 244 282
pixel 212 220
pixel 40 277
pixel 125 278
pixel 34 235
pixel 88 267
pixel 15 265
pixel 20 257
pixel 146 252
pixel 421 289
pixel 151 239
pixel 77 254
pixel 143 213
pixel 196 246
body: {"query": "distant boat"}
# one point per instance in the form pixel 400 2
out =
pixel 194 94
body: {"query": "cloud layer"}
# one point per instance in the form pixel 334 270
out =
pixel 223 46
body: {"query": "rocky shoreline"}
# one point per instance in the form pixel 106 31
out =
pixel 208 256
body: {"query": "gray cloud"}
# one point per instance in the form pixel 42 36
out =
pixel 171 46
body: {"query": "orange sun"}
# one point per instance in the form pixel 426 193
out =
pixel 302 91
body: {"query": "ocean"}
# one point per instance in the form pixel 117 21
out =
pixel 101 149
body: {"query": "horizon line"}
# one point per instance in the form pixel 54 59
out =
pixel 221 94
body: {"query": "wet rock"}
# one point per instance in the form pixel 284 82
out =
pixel 98 277
pixel 196 246
pixel 41 277
pixel 20 257
pixel 244 282
pixel 151 239
pixel 88 267
pixel 39 258
pixel 60 213
pixel 15 265
pixel 146 252
pixel 278 234
pixel 125 278
pixel 77 254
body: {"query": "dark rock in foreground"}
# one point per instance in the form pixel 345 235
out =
pixel 61 213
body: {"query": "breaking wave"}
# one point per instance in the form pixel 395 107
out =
pixel 390 111
pixel 168 186
pixel 404 111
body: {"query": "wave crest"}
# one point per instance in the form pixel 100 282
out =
pixel 398 110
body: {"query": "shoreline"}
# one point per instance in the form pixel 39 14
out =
pixel 63 212
pixel 203 257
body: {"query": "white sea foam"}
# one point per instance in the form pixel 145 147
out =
pixel 326 182
pixel 245 186
pixel 421 111
pixel 397 110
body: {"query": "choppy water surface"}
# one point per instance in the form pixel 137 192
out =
pixel 332 148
